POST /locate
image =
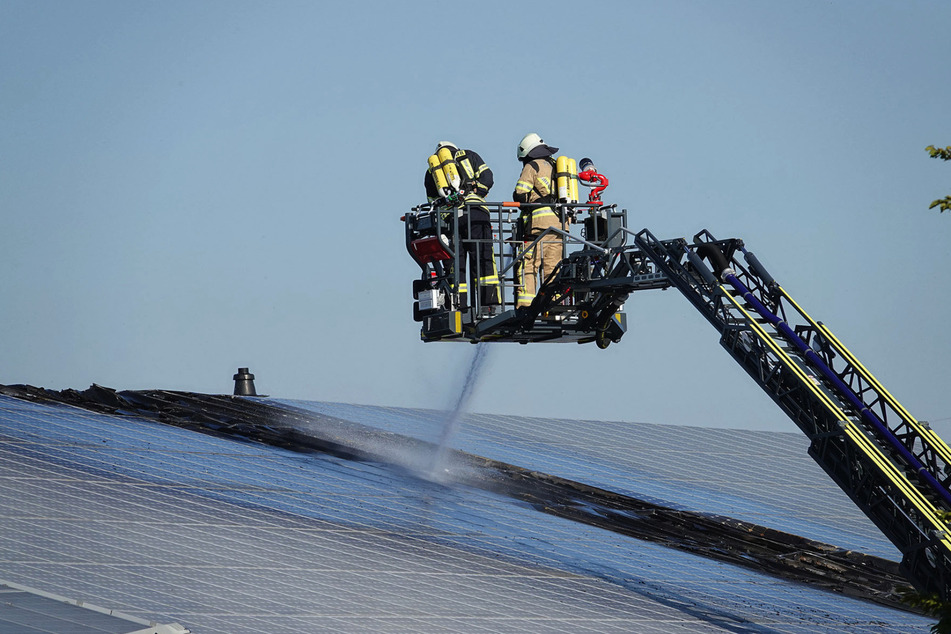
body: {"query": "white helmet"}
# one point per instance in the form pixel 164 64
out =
pixel 443 144
pixel 528 143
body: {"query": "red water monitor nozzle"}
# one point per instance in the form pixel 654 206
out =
pixel 589 177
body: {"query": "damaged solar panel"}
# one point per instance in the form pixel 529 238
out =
pixel 290 516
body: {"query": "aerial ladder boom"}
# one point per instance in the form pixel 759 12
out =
pixel 891 466
pixel 927 447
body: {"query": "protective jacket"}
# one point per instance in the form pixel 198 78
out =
pixel 476 176
pixel 536 187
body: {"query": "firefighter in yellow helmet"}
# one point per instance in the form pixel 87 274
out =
pixel 535 190
pixel 474 226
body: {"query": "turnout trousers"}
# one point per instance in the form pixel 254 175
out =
pixel 475 254
pixel 541 258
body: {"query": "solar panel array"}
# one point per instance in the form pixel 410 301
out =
pixel 761 477
pixel 166 524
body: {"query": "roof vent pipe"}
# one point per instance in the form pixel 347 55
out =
pixel 244 383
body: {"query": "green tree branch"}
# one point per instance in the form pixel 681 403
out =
pixel 940 153
pixel 944 204
pixel 931 605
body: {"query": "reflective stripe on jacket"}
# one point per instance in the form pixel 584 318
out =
pixel 535 182
pixel 535 185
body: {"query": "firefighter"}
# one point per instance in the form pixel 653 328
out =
pixel 535 190
pixel 475 228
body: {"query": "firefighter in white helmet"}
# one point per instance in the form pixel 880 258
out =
pixel 535 190
pixel 474 225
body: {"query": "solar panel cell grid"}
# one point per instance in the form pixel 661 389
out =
pixel 761 477
pixel 224 536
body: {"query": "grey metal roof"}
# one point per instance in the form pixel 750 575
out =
pixel 169 525
pixel 31 611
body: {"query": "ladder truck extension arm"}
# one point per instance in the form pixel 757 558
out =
pixel 891 466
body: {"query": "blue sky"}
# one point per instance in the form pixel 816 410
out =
pixel 190 187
